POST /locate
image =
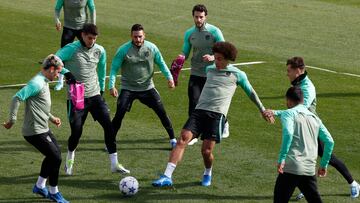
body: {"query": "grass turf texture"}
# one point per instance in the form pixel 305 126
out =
pixel 324 32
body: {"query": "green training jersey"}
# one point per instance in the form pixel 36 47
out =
pixel 87 65
pixel 299 149
pixel 309 92
pixel 137 66
pixel 220 87
pixel 36 95
pixel 75 13
pixel 201 40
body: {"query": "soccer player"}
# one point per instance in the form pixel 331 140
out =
pixel 209 116
pixel 296 72
pixel 36 95
pixel 136 60
pixel 75 17
pixel 301 130
pixel 201 37
pixel 87 61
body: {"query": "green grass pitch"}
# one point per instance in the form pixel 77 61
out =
pixel 324 32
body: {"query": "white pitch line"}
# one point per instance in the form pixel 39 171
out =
pixel 351 74
pixel 248 63
pixel 157 72
pixel 331 71
pixel 322 69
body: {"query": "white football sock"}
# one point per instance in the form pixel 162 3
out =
pixel 41 182
pixel 71 155
pixel 169 169
pixel 208 171
pixel 53 190
pixel 113 159
pixel 354 183
pixel 61 79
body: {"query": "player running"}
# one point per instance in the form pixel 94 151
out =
pixel 75 17
pixel 209 116
pixel 201 37
pixel 296 72
pixel 87 61
pixel 36 95
pixel 302 130
pixel 136 60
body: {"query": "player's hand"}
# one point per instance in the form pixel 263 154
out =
pixel 56 121
pixel 8 124
pixel 114 92
pixel 208 58
pixel 70 78
pixel 268 115
pixel 322 172
pixel 280 168
pixel 171 84
pixel 58 26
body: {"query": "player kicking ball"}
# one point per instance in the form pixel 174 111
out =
pixel 209 116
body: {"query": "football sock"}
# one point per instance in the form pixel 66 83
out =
pixel 169 169
pixel 208 171
pixel 53 190
pixel 41 182
pixel 61 79
pixel 354 183
pixel 113 159
pixel 71 155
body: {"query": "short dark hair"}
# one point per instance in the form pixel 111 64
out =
pixel 199 8
pixel 295 94
pixel 137 27
pixel 296 62
pixel 90 28
pixel 227 49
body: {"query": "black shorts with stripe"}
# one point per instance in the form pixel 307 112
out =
pixel 207 124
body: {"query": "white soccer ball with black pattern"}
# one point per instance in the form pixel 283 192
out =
pixel 129 186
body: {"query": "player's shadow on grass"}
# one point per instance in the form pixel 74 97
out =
pixel 23 179
pixel 24 199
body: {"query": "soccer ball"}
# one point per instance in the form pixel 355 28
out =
pixel 129 186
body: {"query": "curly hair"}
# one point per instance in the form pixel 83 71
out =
pixel 227 49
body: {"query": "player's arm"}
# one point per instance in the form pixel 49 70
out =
pixel 309 95
pixel 102 70
pixel 116 66
pixel 66 54
pixel 325 137
pixel 218 35
pixel 287 123
pixel 159 60
pixel 91 6
pixel 59 4
pixel 244 83
pixel 186 48
pixel 31 89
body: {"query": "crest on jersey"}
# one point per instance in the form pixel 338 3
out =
pixel 207 37
pixel 227 73
pixel 97 53
pixel 147 54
